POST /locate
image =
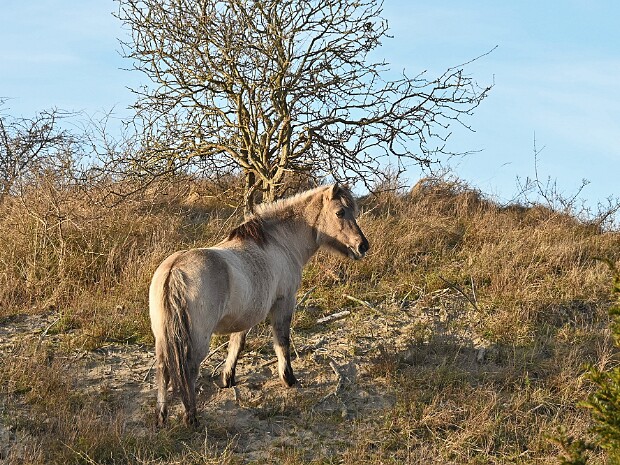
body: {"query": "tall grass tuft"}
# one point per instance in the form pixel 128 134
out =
pixel 603 402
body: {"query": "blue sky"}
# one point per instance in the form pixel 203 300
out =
pixel 555 72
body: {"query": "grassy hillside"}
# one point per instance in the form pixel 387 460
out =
pixel 470 328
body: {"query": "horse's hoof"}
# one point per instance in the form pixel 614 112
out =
pixel 191 421
pixel 161 419
pixel 228 380
pixel 288 379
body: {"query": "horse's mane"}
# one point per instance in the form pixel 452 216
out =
pixel 272 209
pixel 254 227
pixel 250 229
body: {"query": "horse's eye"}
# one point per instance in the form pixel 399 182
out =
pixel 340 213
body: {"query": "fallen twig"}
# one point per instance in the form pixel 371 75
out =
pixel 214 351
pixel 458 289
pixel 340 376
pixel 359 301
pixel 148 372
pixel 45 331
pixel 270 362
pixel 339 385
pixel 217 367
pixel 334 316
pixel 303 299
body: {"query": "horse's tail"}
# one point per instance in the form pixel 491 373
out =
pixel 176 348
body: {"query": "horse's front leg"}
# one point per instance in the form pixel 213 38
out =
pixel 281 316
pixel 235 345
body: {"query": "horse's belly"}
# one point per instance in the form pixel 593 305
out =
pixel 233 322
pixel 243 310
pixel 229 324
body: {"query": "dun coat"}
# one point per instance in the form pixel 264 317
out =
pixel 254 274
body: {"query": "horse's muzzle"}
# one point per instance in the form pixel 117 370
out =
pixel 361 249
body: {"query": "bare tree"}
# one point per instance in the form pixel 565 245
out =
pixel 25 145
pixel 274 87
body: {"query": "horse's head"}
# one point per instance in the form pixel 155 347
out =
pixel 337 229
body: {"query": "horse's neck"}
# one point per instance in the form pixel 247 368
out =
pixel 297 238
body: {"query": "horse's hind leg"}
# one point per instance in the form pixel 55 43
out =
pixel 281 316
pixel 162 380
pixel 235 345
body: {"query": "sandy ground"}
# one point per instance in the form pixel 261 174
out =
pixel 332 360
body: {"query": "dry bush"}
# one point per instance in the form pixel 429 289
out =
pixel 81 251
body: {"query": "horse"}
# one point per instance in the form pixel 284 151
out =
pixel 253 274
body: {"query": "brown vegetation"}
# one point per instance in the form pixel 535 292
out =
pixel 469 330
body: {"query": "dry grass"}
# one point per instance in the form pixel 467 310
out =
pixel 470 348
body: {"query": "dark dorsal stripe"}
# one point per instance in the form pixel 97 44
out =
pixel 251 229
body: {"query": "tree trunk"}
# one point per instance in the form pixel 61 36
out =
pixel 269 192
pixel 249 193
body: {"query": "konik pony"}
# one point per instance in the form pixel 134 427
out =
pixel 254 274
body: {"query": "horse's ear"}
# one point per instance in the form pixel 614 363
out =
pixel 334 191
